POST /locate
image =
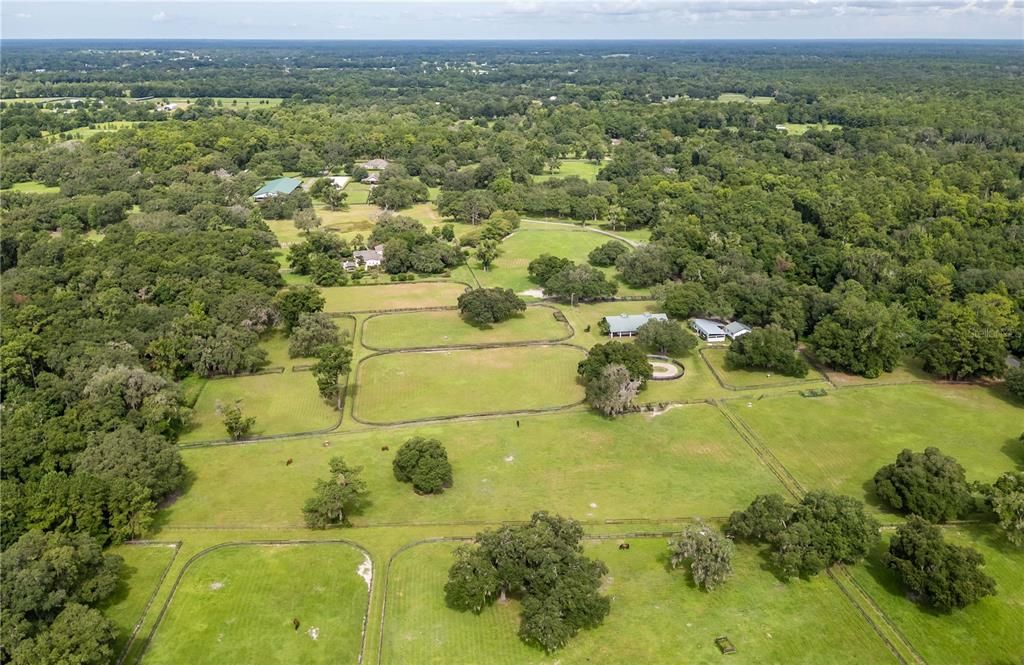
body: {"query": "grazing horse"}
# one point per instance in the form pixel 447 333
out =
pixel 385 448
pixel 295 623
pixel 623 546
pixel 289 462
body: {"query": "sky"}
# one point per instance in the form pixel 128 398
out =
pixel 509 19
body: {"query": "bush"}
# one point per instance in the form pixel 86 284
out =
pixel 237 425
pixel 1015 382
pixel 424 463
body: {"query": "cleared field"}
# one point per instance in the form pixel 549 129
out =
pixel 446 328
pixel 408 386
pixel 422 295
pixel 233 102
pixel 357 193
pixel 282 403
pixel 986 632
pixel 580 168
pixel 740 97
pixel 33 188
pixel 143 566
pixel 100 128
pixel 236 605
pixel 798 128
pixel 838 442
pixel 657 617
pixel 688 462
pixel 743 378
pixel 509 271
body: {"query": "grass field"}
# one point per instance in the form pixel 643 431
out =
pixel 740 97
pixel 100 128
pixel 509 271
pixel 742 378
pixel 357 193
pixel 143 566
pixel 281 403
pixel 657 617
pixel 802 128
pixel 33 188
pixel 689 462
pixel 233 102
pixel 408 386
pixel 580 168
pixel 986 632
pixel 236 605
pixel 446 328
pixel 838 442
pixel 422 295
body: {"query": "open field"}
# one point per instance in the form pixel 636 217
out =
pixel 100 128
pixel 357 193
pixel 986 632
pixel 743 378
pixel 421 295
pixel 408 386
pixel 802 128
pixel 231 102
pixel 657 616
pixel 581 168
pixel 740 97
pixel 143 567
pixel 838 442
pixel 33 188
pixel 276 345
pixel 282 403
pixel 236 605
pixel 446 328
pixel 509 271
pixel 689 462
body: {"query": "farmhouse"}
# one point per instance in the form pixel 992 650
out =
pixel 277 187
pixel 365 258
pixel 627 325
pixel 376 164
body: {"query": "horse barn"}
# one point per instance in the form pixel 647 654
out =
pixel 627 325
pixel 281 186
pixel 717 331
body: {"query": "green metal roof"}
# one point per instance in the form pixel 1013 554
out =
pixel 279 186
pixel 630 323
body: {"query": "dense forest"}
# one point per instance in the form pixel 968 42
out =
pixel 894 224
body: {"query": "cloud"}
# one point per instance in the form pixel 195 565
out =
pixel 160 17
pixel 22 15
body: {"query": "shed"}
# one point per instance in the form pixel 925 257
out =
pixel 277 187
pixel 709 331
pixel 627 325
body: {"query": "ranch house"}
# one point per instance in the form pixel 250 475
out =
pixel 365 259
pixel 627 325
pixel 715 331
pixel 281 186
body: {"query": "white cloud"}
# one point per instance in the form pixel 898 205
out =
pixel 160 17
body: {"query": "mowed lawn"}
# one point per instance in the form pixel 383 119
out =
pixel 31 187
pixel 510 269
pixel 282 403
pixel 408 386
pixel 420 295
pixel 688 462
pixel 838 442
pixel 988 631
pixel 657 617
pixel 407 330
pixel 143 566
pixel 744 378
pixel 236 605
pixel 581 168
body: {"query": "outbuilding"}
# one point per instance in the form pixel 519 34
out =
pixel 627 325
pixel 709 331
pixel 735 330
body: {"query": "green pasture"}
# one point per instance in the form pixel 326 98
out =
pixel 509 271
pixel 282 403
pixel 236 605
pixel 409 386
pixel 233 102
pixel 740 97
pixel 657 616
pixel 838 442
pixel 32 187
pixel 276 345
pixel 357 193
pixel 99 128
pixel 446 328
pixel 688 461
pixel 745 378
pixel 418 295
pixel 581 168
pixel 987 632
pixel 799 128
pixel 143 566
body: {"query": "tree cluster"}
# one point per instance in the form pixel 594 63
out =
pixel 485 307
pixel 424 463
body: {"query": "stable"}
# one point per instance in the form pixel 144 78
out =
pixel 279 187
pixel 715 331
pixel 627 325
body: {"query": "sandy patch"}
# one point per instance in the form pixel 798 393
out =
pixel 216 586
pixel 534 293
pixel 365 570
pixel 314 633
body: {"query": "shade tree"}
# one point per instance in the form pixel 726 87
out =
pixel 484 307
pixel 613 390
pixel 928 484
pixel 424 463
pixel 336 497
pixel 665 337
pixel 706 552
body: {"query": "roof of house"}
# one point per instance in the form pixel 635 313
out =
pixel 365 255
pixel 376 164
pixel 736 327
pixel 708 327
pixel 628 323
pixel 279 186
